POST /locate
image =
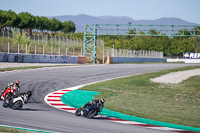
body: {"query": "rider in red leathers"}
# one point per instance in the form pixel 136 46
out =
pixel 11 88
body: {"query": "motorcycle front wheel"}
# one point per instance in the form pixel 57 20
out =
pixel 78 112
pixel 17 105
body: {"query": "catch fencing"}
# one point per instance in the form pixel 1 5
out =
pixel 46 44
pixel 132 53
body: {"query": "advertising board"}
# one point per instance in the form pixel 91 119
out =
pixel 190 55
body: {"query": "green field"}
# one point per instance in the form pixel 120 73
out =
pixel 13 130
pixel 139 96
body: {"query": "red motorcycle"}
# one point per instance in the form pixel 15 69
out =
pixel 8 93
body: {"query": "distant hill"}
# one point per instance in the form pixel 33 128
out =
pixel 82 19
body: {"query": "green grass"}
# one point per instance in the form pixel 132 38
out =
pixel 13 130
pixel 139 96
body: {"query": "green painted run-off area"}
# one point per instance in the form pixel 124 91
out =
pixel 77 98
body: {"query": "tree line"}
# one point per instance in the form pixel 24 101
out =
pixel 27 21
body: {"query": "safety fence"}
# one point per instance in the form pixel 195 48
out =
pixel 49 44
pixel 15 42
pixel 132 53
pixel 41 43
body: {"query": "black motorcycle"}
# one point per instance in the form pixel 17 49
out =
pixel 89 111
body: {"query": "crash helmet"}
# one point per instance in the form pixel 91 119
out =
pixel 17 82
pixel 102 100
pixel 29 93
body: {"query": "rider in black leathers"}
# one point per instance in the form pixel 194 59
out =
pixel 96 102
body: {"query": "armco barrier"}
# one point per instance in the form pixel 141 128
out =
pixel 133 60
pixel 32 58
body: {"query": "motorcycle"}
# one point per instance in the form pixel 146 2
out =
pixel 7 93
pixel 89 111
pixel 18 100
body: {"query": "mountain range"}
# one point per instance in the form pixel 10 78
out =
pixel 82 19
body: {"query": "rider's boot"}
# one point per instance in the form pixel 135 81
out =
pixel 81 112
pixel 1 98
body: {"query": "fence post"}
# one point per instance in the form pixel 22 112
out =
pixel 34 38
pixel 113 51
pixel 43 49
pixel 18 48
pixel 35 49
pixel 59 40
pixel 42 40
pixel 66 51
pixel 8 47
pixel 46 39
pixel 26 49
pixel 143 54
pixel 51 50
pixel 38 39
pixel 8 36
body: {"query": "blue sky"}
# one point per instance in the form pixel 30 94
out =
pixel 137 9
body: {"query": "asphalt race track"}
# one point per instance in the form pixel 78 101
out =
pixel 40 116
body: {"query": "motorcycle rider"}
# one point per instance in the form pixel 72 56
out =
pixel 13 86
pixel 25 97
pixel 28 94
pixel 96 102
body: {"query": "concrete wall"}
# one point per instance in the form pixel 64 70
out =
pixel 133 60
pixel 184 60
pixel 32 58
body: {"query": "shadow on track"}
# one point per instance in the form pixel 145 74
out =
pixel 29 109
pixel 101 118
